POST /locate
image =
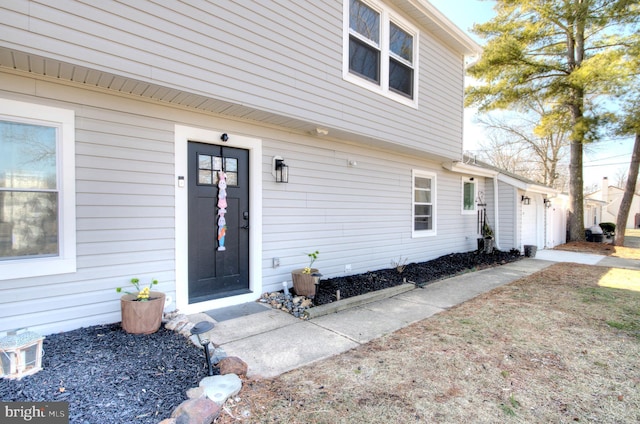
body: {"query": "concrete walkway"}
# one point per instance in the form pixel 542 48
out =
pixel 272 342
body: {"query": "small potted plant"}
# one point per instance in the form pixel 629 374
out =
pixel 141 310
pixel 306 279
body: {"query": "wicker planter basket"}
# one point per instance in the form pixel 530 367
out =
pixel 142 317
pixel 305 284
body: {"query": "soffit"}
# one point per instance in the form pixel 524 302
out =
pixel 56 70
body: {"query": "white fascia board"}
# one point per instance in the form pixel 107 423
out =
pixel 450 31
pixel 532 188
pixel 463 168
pixel 513 181
pixel 535 188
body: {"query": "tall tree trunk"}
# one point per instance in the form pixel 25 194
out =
pixel 575 55
pixel 576 180
pixel 576 196
pixel 629 190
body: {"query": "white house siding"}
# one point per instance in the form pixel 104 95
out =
pixel 126 205
pixel 354 215
pixel 282 58
pixel 124 213
pixel 508 225
pixel 610 210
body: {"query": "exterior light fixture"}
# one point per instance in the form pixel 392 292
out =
pixel 198 330
pixel 526 200
pixel 547 203
pixel 224 137
pixel 280 170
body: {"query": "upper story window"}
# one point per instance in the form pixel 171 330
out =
pixel 469 195
pixel 380 50
pixel 37 190
pixel 424 203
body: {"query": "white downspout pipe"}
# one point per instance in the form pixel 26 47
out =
pixel 495 212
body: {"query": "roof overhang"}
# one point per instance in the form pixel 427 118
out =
pixel 527 186
pixel 468 169
pixel 438 24
pixel 464 168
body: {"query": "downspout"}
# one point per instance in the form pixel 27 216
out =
pixel 495 213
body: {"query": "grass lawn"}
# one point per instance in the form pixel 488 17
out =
pixel 561 345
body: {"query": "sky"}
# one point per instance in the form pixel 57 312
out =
pixel 606 158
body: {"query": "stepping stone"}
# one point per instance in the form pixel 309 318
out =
pixel 219 388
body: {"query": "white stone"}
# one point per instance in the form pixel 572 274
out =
pixel 219 388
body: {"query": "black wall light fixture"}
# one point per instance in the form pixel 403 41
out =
pixel 224 137
pixel 280 170
pixel 526 200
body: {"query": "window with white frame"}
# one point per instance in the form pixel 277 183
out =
pixel 424 203
pixel 380 50
pixel 37 190
pixel 469 194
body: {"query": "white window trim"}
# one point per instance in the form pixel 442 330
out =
pixel 475 196
pixel 386 15
pixel 64 121
pixel 434 201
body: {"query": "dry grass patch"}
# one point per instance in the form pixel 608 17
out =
pixel 601 249
pixel 632 238
pixel 552 347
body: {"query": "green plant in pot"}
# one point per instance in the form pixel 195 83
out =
pixel 142 309
pixel 305 280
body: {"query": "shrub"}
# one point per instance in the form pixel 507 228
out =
pixel 608 228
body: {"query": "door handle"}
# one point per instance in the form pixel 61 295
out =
pixel 245 216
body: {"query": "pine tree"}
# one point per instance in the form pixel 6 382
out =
pixel 565 52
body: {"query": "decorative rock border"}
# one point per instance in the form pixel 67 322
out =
pixel 303 308
pixel 206 401
pixel 294 305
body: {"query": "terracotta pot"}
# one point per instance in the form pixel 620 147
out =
pixel 142 317
pixel 304 284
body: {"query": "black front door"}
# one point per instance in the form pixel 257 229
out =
pixel 218 221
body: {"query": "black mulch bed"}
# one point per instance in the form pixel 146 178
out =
pixel 418 273
pixel 109 376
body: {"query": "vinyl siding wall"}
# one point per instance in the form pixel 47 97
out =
pixel 126 205
pixel 282 58
pixel 124 213
pixel 507 215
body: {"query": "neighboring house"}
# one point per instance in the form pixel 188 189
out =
pixel 521 212
pixel 603 206
pixel 115 117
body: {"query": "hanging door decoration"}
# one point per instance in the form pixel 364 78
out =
pixel 222 209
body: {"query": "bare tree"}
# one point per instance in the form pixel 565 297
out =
pixel 532 144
